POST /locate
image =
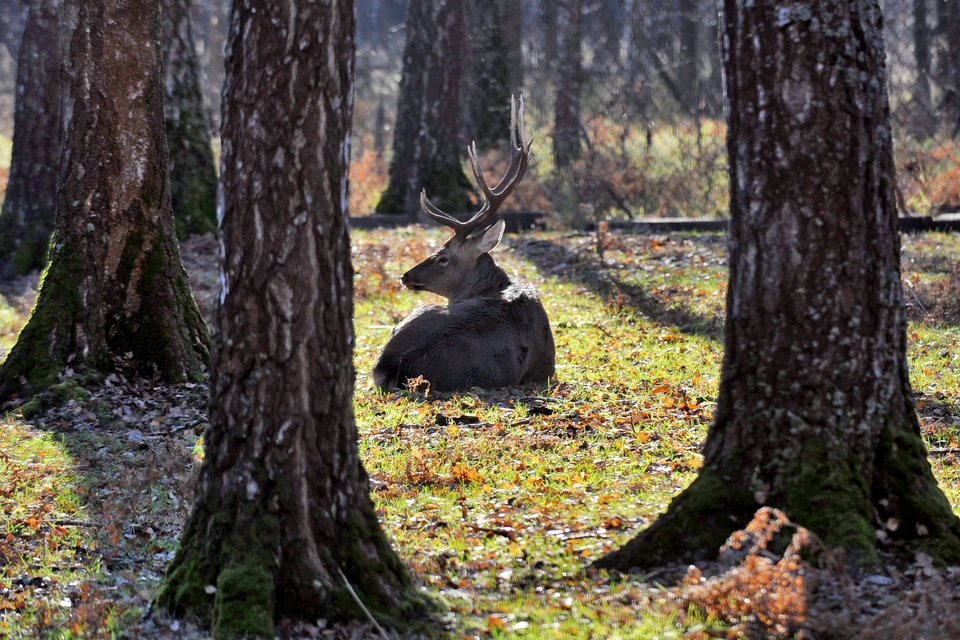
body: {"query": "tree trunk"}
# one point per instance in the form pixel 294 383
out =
pixel 426 141
pixel 283 506
pixel 566 132
pixel 612 17
pixel 193 179
pixel 550 15
pixel 921 51
pixel 951 66
pixel 115 295
pixel 687 65
pixel 30 204
pixel 511 14
pixel 487 79
pixel 815 414
pixel 210 18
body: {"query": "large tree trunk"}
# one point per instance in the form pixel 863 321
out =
pixel 486 86
pixel 283 505
pixel 193 179
pixel 30 204
pixel 426 141
pixel 115 295
pixel 815 414
pixel 566 130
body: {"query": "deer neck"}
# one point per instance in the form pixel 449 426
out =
pixel 487 280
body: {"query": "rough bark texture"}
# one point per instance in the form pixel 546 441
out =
pixel 487 79
pixel 193 179
pixel 566 131
pixel 115 295
pixel 426 141
pixel 283 505
pixel 30 204
pixel 815 414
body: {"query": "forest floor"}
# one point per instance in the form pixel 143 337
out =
pixel 496 500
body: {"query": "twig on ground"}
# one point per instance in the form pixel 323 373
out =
pixel 360 604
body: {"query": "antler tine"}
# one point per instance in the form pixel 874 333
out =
pixel 436 214
pixel 492 198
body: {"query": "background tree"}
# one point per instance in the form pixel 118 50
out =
pixel 193 179
pixel 921 51
pixel 815 415
pixel 283 505
pixel 210 20
pixel 426 141
pixel 115 295
pixel 12 14
pixel 688 62
pixel 550 24
pixel 566 130
pixel 511 14
pixel 486 86
pixel 30 204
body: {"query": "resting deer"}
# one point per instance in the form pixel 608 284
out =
pixel 494 331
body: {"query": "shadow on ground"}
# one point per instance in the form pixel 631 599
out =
pixel 552 258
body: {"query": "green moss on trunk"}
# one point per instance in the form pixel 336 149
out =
pixel 235 550
pixel 830 497
pixel 447 186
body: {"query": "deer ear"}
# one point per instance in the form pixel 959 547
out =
pixel 491 237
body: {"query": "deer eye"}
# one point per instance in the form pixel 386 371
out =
pixel 442 260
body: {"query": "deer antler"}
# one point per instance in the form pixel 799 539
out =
pixel 492 198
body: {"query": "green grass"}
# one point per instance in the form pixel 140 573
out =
pixel 500 517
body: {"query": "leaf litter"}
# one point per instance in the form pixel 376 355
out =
pixel 496 500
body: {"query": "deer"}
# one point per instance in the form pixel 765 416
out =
pixel 493 332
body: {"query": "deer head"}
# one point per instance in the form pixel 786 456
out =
pixel 447 271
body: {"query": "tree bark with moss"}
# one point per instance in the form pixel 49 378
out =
pixel 30 204
pixel 283 520
pixel 193 179
pixel 115 296
pixel 815 415
pixel 426 140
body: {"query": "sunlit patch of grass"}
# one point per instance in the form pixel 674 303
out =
pixel 48 557
pixel 502 515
